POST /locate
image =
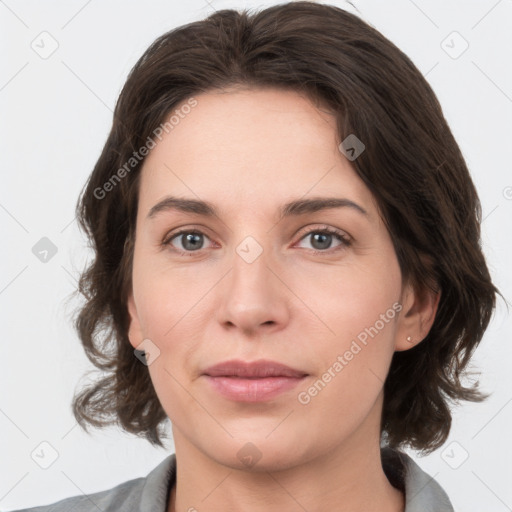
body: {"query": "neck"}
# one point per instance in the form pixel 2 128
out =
pixel 349 478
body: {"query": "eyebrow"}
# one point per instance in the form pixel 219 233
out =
pixel 293 208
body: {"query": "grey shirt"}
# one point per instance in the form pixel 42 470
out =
pixel 151 493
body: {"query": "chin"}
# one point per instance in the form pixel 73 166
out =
pixel 257 454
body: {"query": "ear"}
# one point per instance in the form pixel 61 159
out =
pixel 134 331
pixel 419 308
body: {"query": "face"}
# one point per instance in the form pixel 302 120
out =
pixel 315 288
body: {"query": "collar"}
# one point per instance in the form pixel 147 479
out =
pixel 422 492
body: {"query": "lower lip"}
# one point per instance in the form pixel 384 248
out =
pixel 252 390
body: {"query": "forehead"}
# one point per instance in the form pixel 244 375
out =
pixel 251 146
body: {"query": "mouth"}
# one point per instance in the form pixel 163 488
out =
pixel 256 381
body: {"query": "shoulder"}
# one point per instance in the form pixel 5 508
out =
pixel 118 496
pixel 140 494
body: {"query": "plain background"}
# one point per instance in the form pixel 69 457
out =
pixel 56 112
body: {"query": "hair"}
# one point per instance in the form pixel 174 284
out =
pixel 411 164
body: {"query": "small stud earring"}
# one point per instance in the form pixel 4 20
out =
pixel 409 339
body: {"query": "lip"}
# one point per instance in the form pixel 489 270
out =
pixel 255 369
pixel 255 381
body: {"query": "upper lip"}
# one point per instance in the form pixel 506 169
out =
pixel 262 368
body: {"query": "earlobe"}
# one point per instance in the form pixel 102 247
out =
pixel 417 316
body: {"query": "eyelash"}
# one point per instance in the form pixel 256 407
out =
pixel 344 239
pixel 341 237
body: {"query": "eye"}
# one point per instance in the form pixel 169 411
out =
pixel 186 241
pixel 321 239
pixel 190 241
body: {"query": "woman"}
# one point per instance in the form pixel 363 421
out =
pixel 287 266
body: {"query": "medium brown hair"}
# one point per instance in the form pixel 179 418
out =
pixel 411 164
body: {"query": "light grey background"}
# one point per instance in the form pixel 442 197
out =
pixel 55 115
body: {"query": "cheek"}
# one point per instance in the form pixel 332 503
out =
pixel 175 320
pixel 347 299
pixel 352 361
pixel 357 309
pixel 167 296
pixel 171 316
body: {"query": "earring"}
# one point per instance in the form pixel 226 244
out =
pixel 409 339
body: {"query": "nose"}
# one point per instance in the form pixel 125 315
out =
pixel 253 297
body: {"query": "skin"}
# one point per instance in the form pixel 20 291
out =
pixel 249 151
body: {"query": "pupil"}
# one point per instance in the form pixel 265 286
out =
pixel 192 241
pixel 321 240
